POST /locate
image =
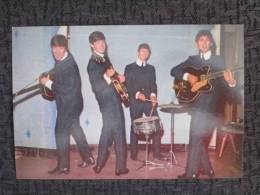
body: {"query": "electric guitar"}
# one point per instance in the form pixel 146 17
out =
pixel 45 91
pixel 120 87
pixel 183 88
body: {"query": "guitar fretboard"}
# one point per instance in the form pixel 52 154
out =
pixel 218 74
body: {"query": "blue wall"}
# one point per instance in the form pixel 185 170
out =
pixel 34 119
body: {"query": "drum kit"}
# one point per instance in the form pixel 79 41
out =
pixel 151 124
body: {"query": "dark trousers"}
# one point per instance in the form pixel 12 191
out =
pixel 63 130
pixel 201 129
pixel 137 111
pixel 113 131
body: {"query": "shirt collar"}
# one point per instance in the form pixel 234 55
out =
pixel 206 55
pixel 65 55
pixel 99 54
pixel 140 63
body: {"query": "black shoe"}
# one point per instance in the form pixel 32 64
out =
pixel 97 169
pixel 185 176
pixel 211 174
pixel 53 171
pixel 133 157
pixel 119 172
pixel 90 161
pixel 58 170
pixel 65 171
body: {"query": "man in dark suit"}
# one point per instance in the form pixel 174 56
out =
pixel 66 86
pixel 142 90
pixel 109 102
pixel 205 111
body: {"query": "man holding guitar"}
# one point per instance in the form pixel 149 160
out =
pixel 66 87
pixel 142 88
pixel 100 73
pixel 205 109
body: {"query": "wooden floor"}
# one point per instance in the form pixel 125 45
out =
pixel 35 165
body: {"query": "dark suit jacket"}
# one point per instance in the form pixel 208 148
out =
pixel 213 101
pixel 141 79
pixel 67 89
pixel 106 95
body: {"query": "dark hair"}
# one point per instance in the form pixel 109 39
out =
pixel 144 46
pixel 209 35
pixel 96 36
pixel 204 33
pixel 59 40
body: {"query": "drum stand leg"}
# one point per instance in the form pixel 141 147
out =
pixel 147 162
pixel 172 156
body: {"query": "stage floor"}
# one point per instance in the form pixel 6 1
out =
pixel 36 166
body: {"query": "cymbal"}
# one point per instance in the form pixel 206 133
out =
pixel 172 108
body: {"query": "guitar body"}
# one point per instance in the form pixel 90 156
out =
pixel 183 88
pixel 120 87
pixel 46 93
pixel 121 90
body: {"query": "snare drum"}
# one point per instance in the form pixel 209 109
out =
pixel 146 125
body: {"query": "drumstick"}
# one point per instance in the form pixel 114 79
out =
pixel 151 111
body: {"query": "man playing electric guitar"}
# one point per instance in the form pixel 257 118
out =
pixel 66 87
pixel 205 110
pixel 109 102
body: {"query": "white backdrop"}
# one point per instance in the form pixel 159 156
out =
pixel 34 119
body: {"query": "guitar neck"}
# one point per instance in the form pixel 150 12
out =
pixel 26 90
pixel 219 73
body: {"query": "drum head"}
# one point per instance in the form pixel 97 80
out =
pixel 146 119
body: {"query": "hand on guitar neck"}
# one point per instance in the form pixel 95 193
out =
pixel 229 78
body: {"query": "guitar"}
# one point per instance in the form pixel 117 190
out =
pixel 45 91
pixel 120 87
pixel 183 88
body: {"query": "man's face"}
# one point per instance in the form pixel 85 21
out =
pixel 99 46
pixel 58 52
pixel 204 44
pixel 143 54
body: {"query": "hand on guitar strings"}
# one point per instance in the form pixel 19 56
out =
pixel 192 79
pixel 229 78
pixel 195 84
pixel 110 72
pixel 199 85
pixel 121 78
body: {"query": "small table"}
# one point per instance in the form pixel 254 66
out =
pixel 172 109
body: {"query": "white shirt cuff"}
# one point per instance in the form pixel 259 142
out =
pixel 48 84
pixel 232 85
pixel 185 76
pixel 108 80
pixel 153 94
pixel 137 94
